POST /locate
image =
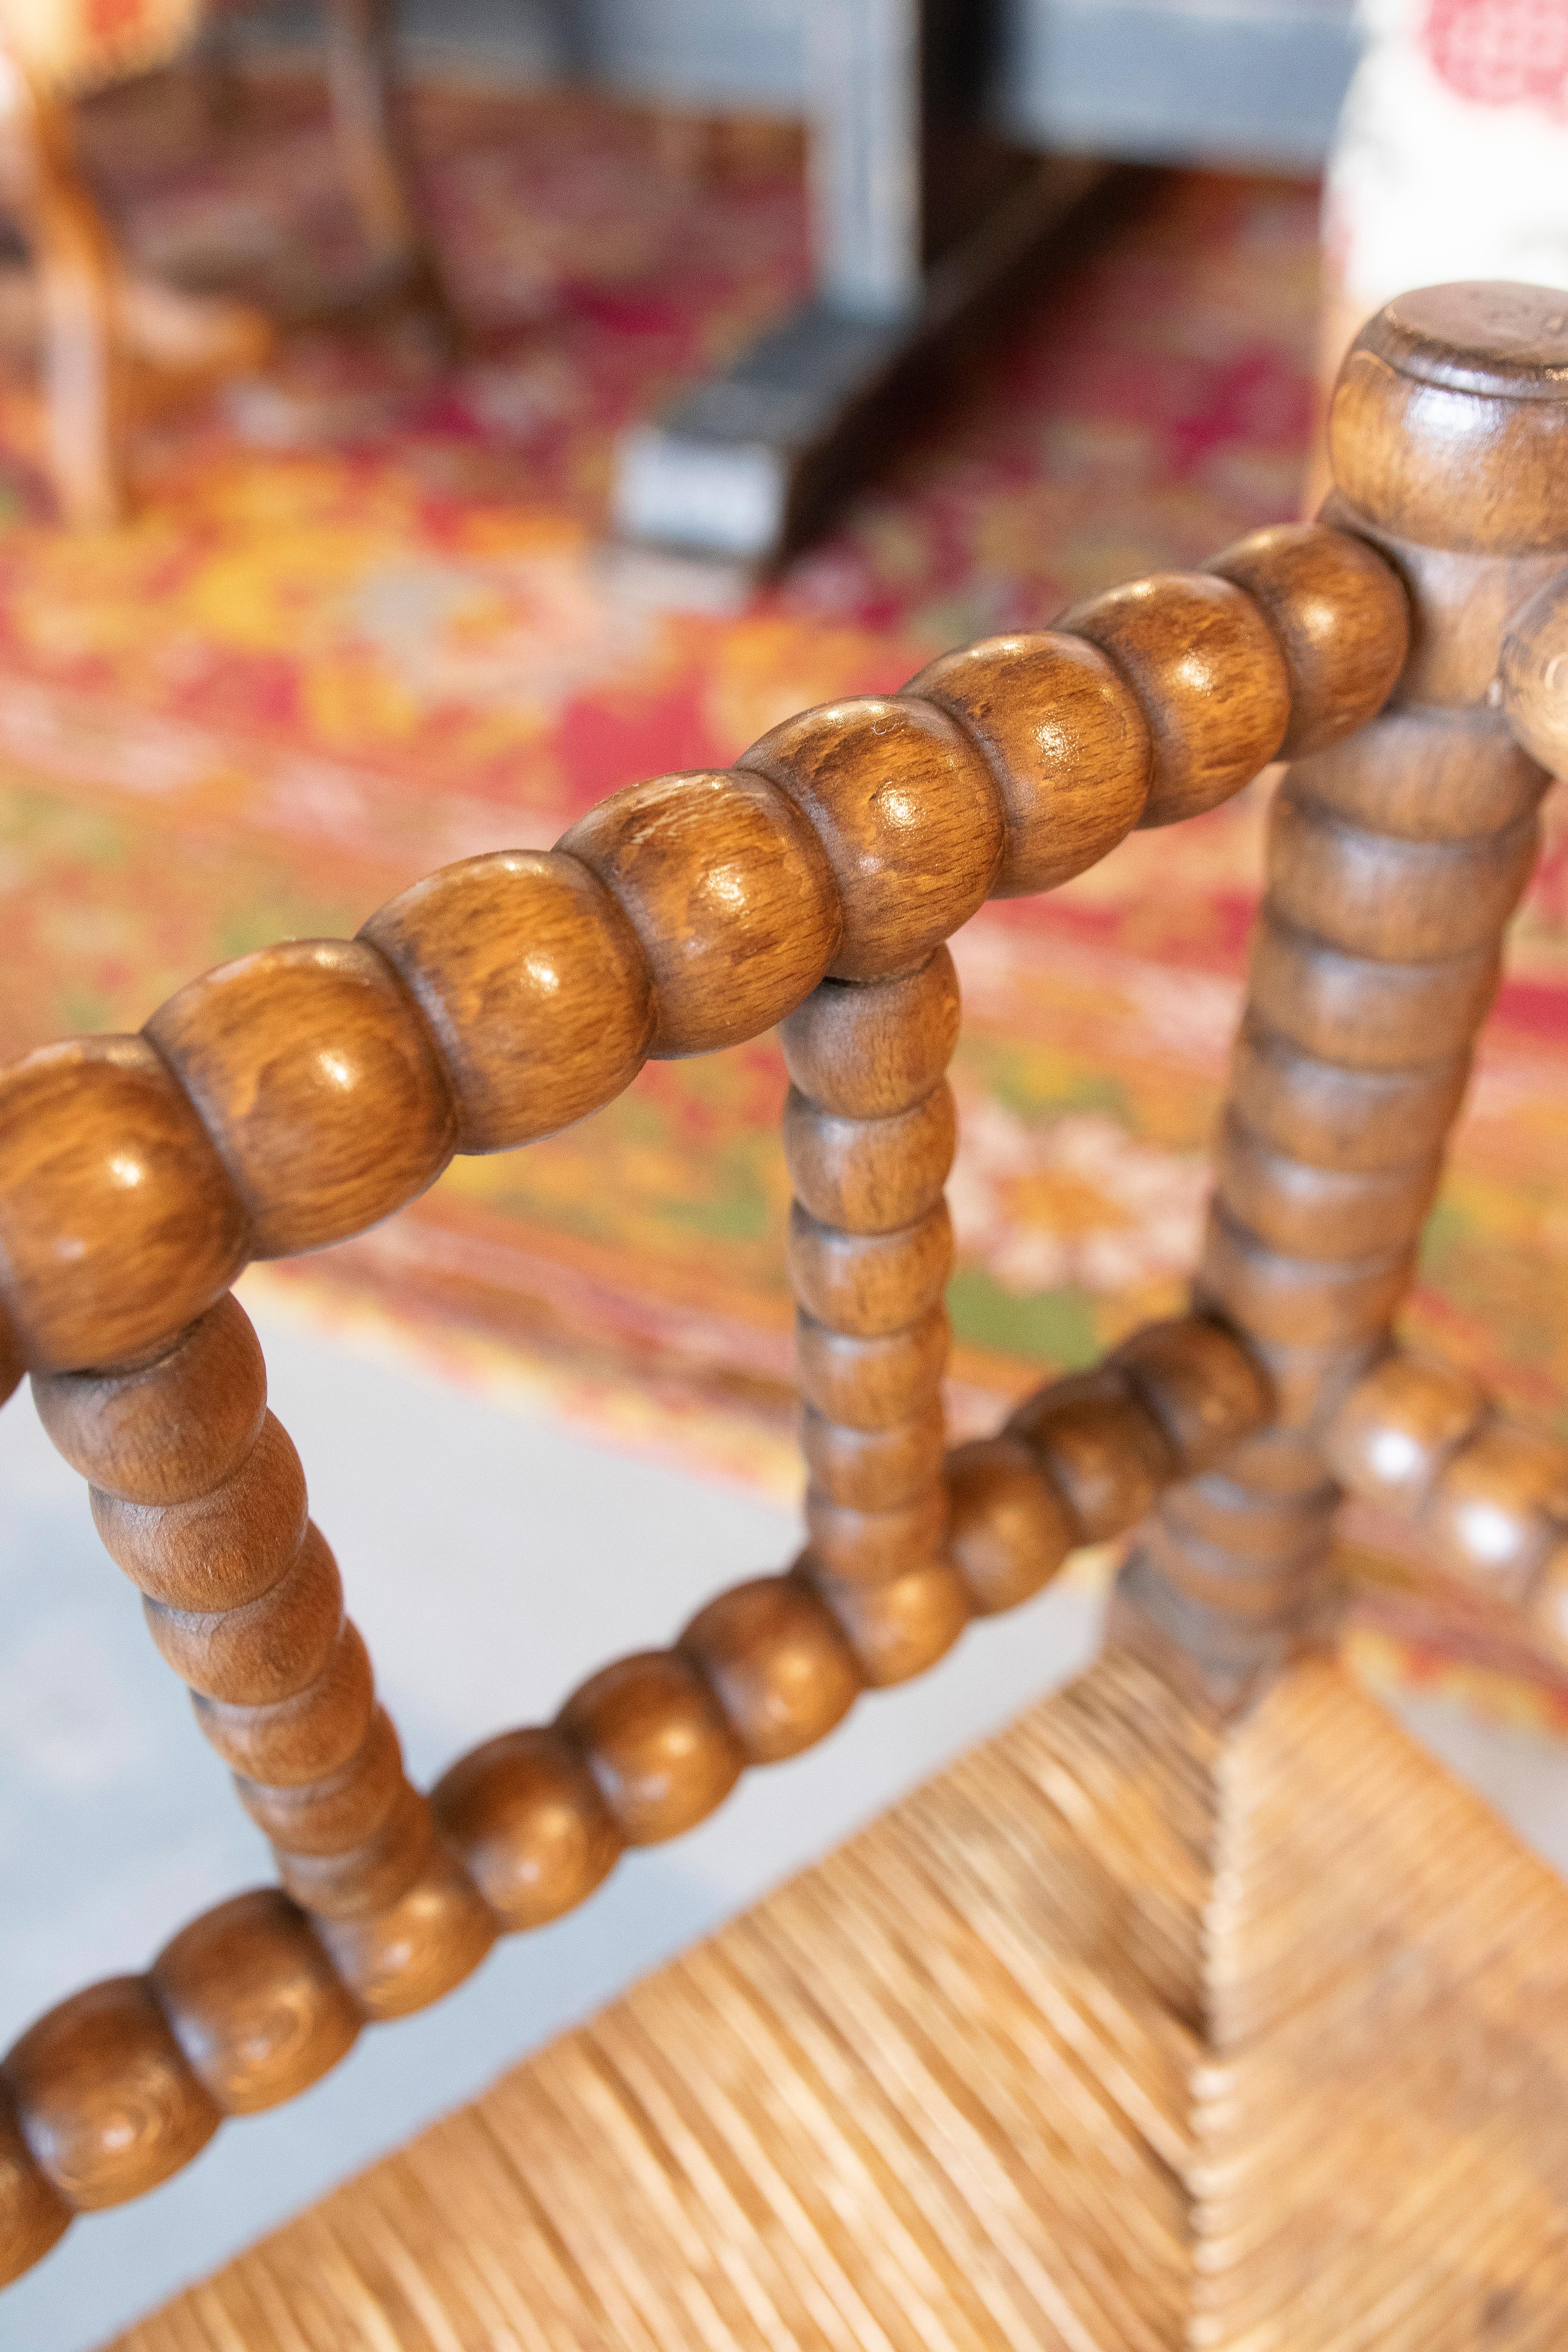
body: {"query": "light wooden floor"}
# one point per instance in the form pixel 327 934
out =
pixel 1127 2033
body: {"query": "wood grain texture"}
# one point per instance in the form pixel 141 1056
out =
pixel 1317 997
pixel 871 1176
pixel 1340 617
pixel 1319 1212
pixel 869 1284
pixel 1326 1302
pixel 1066 744
pixel 106 2099
pixel 908 815
pixel 1449 422
pixel 1208 675
pixel 220 1549
pixel 533 984
pixel 1100 1447
pixel 1424 774
pixel 251 1999
pixel 1202 1385
pixel 1532 677
pixel 871 1051
pixel 318 1084
pixel 524 1816
pixel 731 898
pixel 777 1663
pixel 336 1809
pixel 34 2216
pixel 657 1743
pixel 1010 1529
pixel 305 1735
pixel 118 1226
pixel 870 1384
pixel 171 1429
pixel 866 1547
pixel 1337 1117
pixel 398 1959
pixel 1396 900
pixel 899 1628
pixel 358 1880
pixel 266 1649
pixel 1462 604
pixel 873 1469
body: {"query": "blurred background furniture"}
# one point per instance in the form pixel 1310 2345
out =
pixel 104 329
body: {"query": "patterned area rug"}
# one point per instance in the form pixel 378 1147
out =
pixel 361 627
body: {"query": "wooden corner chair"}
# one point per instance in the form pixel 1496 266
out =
pixel 1199 2007
pixel 104 329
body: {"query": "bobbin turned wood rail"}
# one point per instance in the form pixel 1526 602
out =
pixel 288 1100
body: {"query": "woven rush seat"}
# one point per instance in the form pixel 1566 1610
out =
pixel 1135 2029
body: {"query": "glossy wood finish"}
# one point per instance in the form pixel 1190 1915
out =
pixel 117 1224
pixel 1340 617
pixel 220 1549
pixel 730 896
pixel 864 1279
pixel 172 1430
pixel 905 811
pixel 861 1052
pixel 524 1815
pixel 34 2216
pixel 1462 604
pixel 336 1811
pixel 397 1960
pixel 1419 1437
pixel 1396 860
pixel 1532 674
pixel 533 984
pixel 318 1081
pixel 777 1663
pixel 253 2002
pixel 261 1650
pixel 1449 421
pixel 1209 676
pixel 286 1100
pixel 1066 743
pixel 657 1743
pixel 298 1739
pixel 106 2099
pixel 1011 1529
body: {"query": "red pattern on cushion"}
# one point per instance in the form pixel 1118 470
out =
pixel 1502 52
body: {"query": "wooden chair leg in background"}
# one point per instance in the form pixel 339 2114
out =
pixel 80 287
pixel 375 165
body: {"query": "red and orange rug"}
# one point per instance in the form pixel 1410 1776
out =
pixel 361 625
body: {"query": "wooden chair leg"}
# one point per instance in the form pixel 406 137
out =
pixel 360 75
pixel 79 289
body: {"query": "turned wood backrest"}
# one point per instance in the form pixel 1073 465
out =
pixel 292 1098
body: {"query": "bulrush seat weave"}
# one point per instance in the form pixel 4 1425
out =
pixel 1198 2009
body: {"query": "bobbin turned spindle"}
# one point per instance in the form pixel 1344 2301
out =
pixel 289 1098
pixel 869 1134
pixel 1395 860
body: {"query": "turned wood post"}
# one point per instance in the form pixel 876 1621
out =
pixel 1394 861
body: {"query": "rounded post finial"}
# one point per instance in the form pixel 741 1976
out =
pixel 1450 422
